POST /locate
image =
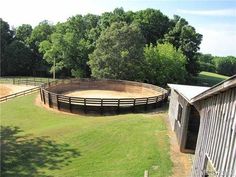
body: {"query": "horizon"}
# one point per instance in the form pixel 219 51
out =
pixel 215 20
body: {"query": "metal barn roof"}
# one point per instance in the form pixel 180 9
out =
pixel 222 86
pixel 188 91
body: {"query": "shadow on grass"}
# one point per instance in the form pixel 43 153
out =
pixel 25 156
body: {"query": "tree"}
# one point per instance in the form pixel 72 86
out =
pixel 118 53
pixel 70 45
pixel 225 65
pixel 107 18
pixel 23 33
pixel 206 62
pixel 184 37
pixel 5 39
pixel 164 64
pixel 19 59
pixel 40 33
pixel 153 24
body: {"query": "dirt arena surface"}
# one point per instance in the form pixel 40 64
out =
pixel 108 94
pixel 7 89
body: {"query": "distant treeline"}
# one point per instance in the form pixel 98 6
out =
pixel 145 45
pixel 216 64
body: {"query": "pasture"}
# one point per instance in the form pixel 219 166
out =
pixel 41 142
pixel 209 79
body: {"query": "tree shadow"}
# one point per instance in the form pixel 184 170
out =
pixel 25 156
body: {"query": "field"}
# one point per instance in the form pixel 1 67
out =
pixel 40 142
pixel 209 79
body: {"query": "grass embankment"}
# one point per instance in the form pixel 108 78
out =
pixel 209 79
pixel 39 142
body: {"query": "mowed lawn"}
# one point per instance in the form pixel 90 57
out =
pixel 209 78
pixel 39 142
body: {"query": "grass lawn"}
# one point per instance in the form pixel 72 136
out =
pixel 209 79
pixel 38 142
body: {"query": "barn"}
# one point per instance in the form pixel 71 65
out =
pixel 214 141
pixel 183 116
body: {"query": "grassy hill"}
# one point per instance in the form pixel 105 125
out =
pixel 209 79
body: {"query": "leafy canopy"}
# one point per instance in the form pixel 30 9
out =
pixel 118 53
pixel 164 64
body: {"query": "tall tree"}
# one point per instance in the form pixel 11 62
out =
pixel 5 39
pixel 153 24
pixel 184 37
pixel 19 59
pixel 40 33
pixel 118 53
pixel 70 45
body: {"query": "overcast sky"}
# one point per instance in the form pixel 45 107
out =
pixel 216 20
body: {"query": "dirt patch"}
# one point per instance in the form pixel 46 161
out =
pixel 7 89
pixel 182 162
pixel 108 94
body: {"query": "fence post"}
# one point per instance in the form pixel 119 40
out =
pixel 70 104
pixel 118 107
pixel 85 105
pixel 43 97
pixel 101 106
pixel 58 104
pixel 49 99
pixel 156 105
pixel 146 104
pixel 13 81
pixel 134 105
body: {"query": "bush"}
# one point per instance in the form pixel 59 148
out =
pixel 225 65
pixel 164 64
pixel 207 67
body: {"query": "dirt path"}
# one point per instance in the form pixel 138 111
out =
pixel 182 162
pixel 7 89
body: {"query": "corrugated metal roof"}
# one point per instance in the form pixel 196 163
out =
pixel 188 91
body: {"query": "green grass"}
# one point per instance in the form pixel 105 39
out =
pixel 209 79
pixel 39 142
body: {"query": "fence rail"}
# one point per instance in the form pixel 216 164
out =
pixel 14 95
pixel 23 80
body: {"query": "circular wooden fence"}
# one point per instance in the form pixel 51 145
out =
pixel 52 95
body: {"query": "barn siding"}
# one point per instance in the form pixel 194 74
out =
pixel 179 129
pixel 173 108
pixel 217 135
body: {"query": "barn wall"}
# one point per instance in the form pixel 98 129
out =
pixel 173 108
pixel 179 128
pixel 217 135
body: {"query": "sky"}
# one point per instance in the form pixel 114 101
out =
pixel 214 19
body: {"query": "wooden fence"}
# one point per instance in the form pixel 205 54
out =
pixel 25 80
pixel 95 105
pixel 8 97
pixel 22 80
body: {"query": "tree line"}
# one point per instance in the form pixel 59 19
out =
pixel 216 64
pixel 145 45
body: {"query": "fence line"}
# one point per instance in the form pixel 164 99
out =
pixel 74 104
pixel 22 80
pixel 14 95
